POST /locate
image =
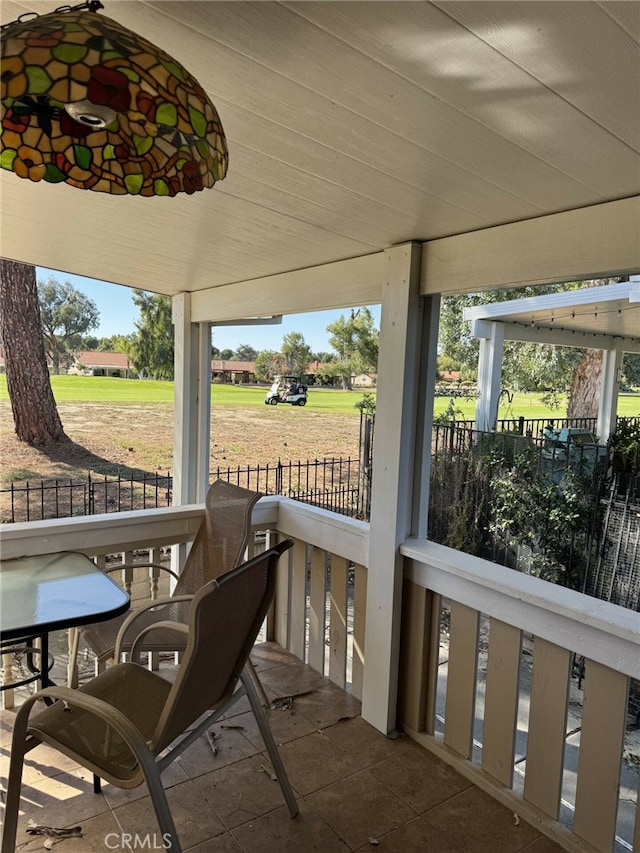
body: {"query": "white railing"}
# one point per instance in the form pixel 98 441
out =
pixel 506 730
pixel 488 657
pixel 320 602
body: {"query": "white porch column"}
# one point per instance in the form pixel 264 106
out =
pixel 489 373
pixel 393 476
pixel 609 386
pixel 192 404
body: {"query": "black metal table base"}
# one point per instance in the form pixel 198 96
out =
pixel 25 646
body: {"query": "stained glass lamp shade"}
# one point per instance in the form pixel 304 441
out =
pixel 86 102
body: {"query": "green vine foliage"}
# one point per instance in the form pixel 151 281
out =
pixel 449 415
pixel 625 444
pixel 544 517
pixel 496 500
pixel 367 405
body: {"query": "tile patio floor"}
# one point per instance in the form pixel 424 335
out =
pixel 357 790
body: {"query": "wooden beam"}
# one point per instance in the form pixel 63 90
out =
pixel 592 242
pixel 356 281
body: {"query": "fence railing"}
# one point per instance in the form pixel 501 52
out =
pixel 65 498
pixel 488 684
pixel 533 427
pixel 335 484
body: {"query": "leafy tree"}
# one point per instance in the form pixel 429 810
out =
pixel 586 382
pixel 67 314
pixel 227 355
pixel 35 414
pixel 631 369
pixel 458 347
pixel 526 366
pixel 215 352
pixel 355 341
pixel 296 352
pixel 269 364
pixel 117 343
pixel 245 352
pixel 152 347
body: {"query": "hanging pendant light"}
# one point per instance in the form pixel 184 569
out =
pixel 87 102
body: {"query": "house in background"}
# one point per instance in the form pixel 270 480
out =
pixel 363 380
pixel 94 363
pixel 235 372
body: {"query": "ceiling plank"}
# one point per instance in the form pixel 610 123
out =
pixel 496 94
pixel 585 70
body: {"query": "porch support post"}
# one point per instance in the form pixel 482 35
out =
pixel 203 409
pixel 609 385
pixel 393 479
pixel 424 423
pixel 489 374
pixel 191 411
pixel 192 404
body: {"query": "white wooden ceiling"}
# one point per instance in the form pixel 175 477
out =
pixel 354 126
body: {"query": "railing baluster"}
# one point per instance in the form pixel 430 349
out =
pixel 338 621
pixel 547 725
pixel 601 741
pixel 317 610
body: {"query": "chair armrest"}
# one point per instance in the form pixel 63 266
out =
pixel 143 566
pixel 158 602
pixel 177 627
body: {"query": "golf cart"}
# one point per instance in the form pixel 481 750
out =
pixel 286 389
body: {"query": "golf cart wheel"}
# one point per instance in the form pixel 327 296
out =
pixel 273 401
pixel 302 402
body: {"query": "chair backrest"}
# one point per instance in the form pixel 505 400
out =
pixel 222 537
pixel 224 620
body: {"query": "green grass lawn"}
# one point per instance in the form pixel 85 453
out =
pixel 108 390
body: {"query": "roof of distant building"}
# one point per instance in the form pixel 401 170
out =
pixel 229 366
pixel 95 358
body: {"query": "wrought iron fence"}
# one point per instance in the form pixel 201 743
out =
pixel 549 508
pixel 532 427
pixel 31 500
pixel 335 484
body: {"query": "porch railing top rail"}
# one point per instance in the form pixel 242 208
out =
pixel 604 632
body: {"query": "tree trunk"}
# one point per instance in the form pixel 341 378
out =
pixel 35 414
pixel 584 393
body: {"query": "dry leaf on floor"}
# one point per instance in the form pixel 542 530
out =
pixel 211 739
pixel 54 831
pixel 269 772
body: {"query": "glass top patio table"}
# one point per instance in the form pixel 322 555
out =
pixel 51 592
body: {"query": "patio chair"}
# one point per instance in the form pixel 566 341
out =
pixel 219 545
pixel 128 724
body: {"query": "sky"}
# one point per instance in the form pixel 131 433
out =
pixel 118 315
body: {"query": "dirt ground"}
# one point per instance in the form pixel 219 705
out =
pixel 107 439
